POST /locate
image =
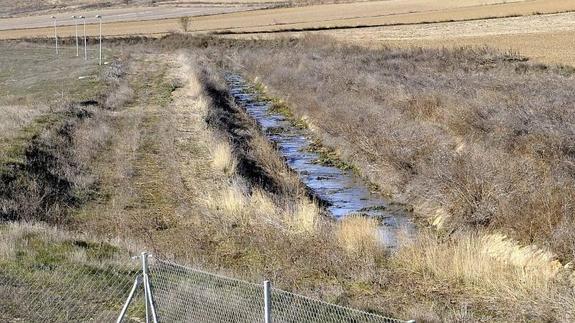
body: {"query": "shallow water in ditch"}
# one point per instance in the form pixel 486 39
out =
pixel 343 191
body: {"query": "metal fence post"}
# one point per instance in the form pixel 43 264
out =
pixel 267 302
pixel 137 283
pixel 150 309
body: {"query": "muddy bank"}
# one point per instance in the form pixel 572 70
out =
pixel 342 192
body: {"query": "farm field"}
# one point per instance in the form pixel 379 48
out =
pixel 544 38
pixel 397 22
pixel 323 16
pixel 408 158
pixel 9 8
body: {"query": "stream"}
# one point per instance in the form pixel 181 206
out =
pixel 343 191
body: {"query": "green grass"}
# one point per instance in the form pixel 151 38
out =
pixel 66 271
pixel 31 74
pixel 14 148
pixel 329 157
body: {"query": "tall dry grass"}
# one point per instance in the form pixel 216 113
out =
pixel 462 277
pixel 481 137
pixel 411 125
pixel 358 234
pixel 211 215
pixel 516 282
pixel 222 158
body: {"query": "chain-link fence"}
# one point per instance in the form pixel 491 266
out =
pixel 183 294
pixel 66 291
pixel 59 291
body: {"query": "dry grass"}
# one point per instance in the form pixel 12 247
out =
pixel 50 269
pixel 48 140
pixel 467 276
pixel 474 261
pixel 479 135
pixel 306 218
pixel 188 176
pixel 15 234
pixel 31 74
pixel 219 219
pixel 358 234
pixel 14 118
pixel 222 158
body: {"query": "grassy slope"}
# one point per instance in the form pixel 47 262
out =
pixel 463 133
pixel 216 219
pixel 34 87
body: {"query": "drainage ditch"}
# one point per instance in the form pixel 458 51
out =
pixel 343 192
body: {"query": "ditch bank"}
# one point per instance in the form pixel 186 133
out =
pixel 340 191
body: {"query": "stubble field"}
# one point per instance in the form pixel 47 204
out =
pixel 540 29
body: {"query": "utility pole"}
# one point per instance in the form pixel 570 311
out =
pixel 85 41
pixel 77 44
pixel 56 34
pixel 100 18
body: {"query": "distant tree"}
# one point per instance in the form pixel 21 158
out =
pixel 185 23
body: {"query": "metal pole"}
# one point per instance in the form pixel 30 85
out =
pixel 56 34
pixel 137 283
pixel 77 44
pixel 100 17
pixel 85 41
pixel 151 301
pixel 144 259
pixel 267 302
pixel 150 309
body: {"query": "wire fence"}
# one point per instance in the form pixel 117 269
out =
pixel 69 292
pixel 183 294
pixel 53 291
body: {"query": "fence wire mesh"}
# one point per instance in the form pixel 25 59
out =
pixel 183 294
pixel 289 307
pixel 65 292
pixel 82 291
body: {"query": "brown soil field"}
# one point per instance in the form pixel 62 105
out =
pixel 11 8
pixel 545 38
pixel 326 16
